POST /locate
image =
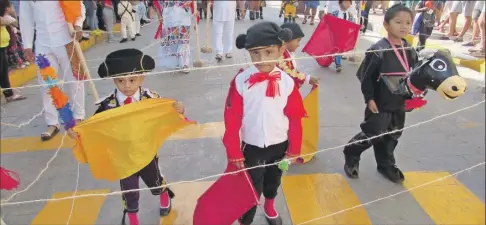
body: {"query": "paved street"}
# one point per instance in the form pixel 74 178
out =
pixel 318 189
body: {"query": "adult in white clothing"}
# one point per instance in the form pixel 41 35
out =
pixel 46 19
pixel 223 21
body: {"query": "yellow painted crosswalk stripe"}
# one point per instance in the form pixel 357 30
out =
pixel 447 201
pixel 85 210
pixel 185 202
pixel 317 195
pixel 27 144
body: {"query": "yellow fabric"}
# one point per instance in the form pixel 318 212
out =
pixel 121 141
pixel 310 125
pixel 290 9
pixel 4 37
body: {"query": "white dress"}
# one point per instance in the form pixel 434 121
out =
pixel 174 51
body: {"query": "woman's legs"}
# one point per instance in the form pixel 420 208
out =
pixel 4 79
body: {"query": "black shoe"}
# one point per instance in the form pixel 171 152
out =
pixel 257 15
pixel 123 40
pixel 261 16
pixel 274 221
pixel 166 211
pixel 133 39
pixel 138 35
pixel 392 173
pixel 339 68
pixel 351 168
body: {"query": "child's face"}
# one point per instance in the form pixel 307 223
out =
pixel 293 44
pixel 400 25
pixel 9 9
pixel 345 5
pixel 128 85
pixel 270 53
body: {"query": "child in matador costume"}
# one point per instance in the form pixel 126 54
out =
pixel 129 90
pixel 263 103
pixel 289 65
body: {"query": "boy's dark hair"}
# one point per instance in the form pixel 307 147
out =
pixel 341 1
pixel 4 4
pixel 392 12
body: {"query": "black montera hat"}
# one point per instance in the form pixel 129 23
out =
pixel 263 34
pixel 295 28
pixel 125 61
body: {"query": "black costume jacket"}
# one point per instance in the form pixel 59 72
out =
pixel 111 102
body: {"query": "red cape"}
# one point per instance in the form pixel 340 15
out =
pixel 332 35
pixel 226 200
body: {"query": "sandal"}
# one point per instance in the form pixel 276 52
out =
pixel 185 69
pixel 48 135
pixel 15 97
pixel 219 57
pixel 229 56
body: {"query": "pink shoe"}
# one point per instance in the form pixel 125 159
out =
pixel 166 202
pixel 270 213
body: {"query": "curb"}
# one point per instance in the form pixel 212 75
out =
pixel 19 77
pixel 476 65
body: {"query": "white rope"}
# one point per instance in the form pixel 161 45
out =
pixel 6 203
pixel 206 68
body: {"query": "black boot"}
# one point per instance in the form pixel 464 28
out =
pixel 351 167
pixel 392 173
pixel 252 15
pixel 257 15
pixel 261 14
pixel 274 221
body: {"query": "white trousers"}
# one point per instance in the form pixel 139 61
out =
pixel 59 60
pixel 127 24
pixel 136 25
pixel 224 44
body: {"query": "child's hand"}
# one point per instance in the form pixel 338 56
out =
pixel 372 106
pixel 239 164
pixel 72 134
pixel 179 106
pixel 314 81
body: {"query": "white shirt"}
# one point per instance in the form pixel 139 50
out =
pixel 47 19
pixel 224 10
pixel 332 6
pixel 264 122
pixel 120 97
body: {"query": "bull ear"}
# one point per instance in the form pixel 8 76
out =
pixel 427 53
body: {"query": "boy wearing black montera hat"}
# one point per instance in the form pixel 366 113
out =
pixel 263 103
pixel 288 64
pixel 122 65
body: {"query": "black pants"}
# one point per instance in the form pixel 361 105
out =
pixel 4 79
pixel 150 175
pixel 101 20
pixel 384 146
pixel 424 33
pixel 266 180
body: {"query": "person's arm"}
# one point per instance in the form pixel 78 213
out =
pixel 120 7
pixel 369 70
pixel 421 7
pixel 294 110
pixel 26 22
pixel 233 118
pixel 80 20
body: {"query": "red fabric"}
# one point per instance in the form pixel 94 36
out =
pixel 233 116
pixel 414 103
pixel 273 78
pixel 108 3
pixel 9 180
pixel 290 65
pixel 295 112
pixel 332 35
pixel 226 200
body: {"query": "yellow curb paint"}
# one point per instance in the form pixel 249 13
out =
pixel 447 202
pixel 317 195
pixel 85 210
pixel 19 77
pixel 34 143
pixel 184 203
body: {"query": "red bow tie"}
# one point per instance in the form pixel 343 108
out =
pixel 128 100
pixel 273 78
